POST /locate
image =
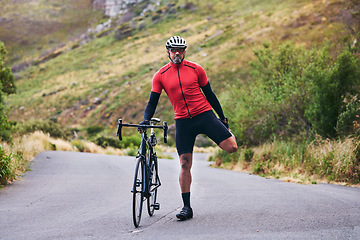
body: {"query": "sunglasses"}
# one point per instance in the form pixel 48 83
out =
pixel 180 50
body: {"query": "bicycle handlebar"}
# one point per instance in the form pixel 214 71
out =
pixel 120 125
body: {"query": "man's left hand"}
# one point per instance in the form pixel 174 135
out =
pixel 225 122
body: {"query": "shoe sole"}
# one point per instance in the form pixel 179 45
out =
pixel 181 218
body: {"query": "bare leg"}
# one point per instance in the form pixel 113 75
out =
pixel 185 173
pixel 185 182
pixel 229 144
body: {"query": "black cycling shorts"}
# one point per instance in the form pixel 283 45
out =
pixel 186 130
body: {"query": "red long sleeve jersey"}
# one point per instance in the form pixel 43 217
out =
pixel 182 83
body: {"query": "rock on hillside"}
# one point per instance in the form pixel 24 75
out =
pixel 113 8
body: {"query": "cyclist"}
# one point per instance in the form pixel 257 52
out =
pixel 183 81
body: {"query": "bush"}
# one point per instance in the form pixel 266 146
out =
pixel 132 141
pixel 79 145
pixel 47 126
pixel 104 142
pixel 5 126
pixel 349 120
pixel 294 90
pixel 335 160
pixel 7 86
pixel 6 172
pixel 248 154
pixel 122 31
pixel 128 141
pixel 330 87
pixel 93 130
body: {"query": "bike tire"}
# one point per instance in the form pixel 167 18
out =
pixel 153 184
pixel 138 191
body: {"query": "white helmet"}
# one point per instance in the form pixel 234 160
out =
pixel 176 42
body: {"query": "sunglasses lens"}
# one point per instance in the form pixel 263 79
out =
pixel 174 50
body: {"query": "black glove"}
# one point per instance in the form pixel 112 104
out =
pixel 145 122
pixel 225 122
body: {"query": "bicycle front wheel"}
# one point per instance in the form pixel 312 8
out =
pixel 153 187
pixel 138 191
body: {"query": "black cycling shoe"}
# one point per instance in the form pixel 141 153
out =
pixel 185 213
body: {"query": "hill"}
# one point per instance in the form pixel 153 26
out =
pixel 81 85
pixel 34 27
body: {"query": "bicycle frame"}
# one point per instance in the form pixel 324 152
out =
pixel 145 182
pixel 146 143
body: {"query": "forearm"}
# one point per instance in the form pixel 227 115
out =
pixel 151 106
pixel 213 100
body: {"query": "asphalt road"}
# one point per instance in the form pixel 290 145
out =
pixel 71 195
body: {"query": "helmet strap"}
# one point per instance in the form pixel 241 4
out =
pixel 169 56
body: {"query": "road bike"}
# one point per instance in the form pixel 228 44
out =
pixel 146 179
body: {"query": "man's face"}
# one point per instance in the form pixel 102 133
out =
pixel 177 55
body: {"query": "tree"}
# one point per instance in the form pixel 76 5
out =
pixel 7 86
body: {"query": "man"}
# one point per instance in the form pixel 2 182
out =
pixel 183 81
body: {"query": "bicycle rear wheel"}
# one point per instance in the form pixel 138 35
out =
pixel 138 191
pixel 153 187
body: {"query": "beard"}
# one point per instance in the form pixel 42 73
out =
pixel 177 59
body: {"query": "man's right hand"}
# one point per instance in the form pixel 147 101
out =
pixel 145 122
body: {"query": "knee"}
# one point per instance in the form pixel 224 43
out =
pixel 232 149
pixel 229 146
pixel 185 163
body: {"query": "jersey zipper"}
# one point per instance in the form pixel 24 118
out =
pixel 183 91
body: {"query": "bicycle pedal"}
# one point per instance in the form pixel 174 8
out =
pixel 156 206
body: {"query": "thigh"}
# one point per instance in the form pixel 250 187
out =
pixel 184 136
pixel 215 129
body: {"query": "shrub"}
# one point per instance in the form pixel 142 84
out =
pixel 122 31
pixel 6 171
pixel 104 142
pixel 330 87
pixel 79 145
pixel 5 126
pixel 132 140
pixel 93 130
pixel 203 141
pixel 7 86
pixel 248 154
pixel 337 160
pixel 293 90
pixel 47 126
pixel 131 151
pixel 222 157
pixel 349 120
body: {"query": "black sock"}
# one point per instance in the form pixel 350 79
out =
pixel 186 198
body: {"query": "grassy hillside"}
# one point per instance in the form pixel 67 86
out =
pixel 105 79
pixel 33 27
